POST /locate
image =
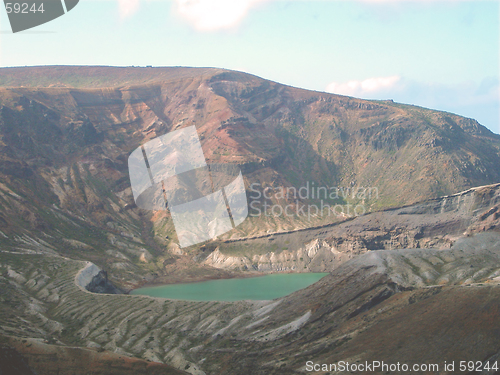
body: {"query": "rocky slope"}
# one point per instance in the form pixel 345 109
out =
pixel 420 267
pixel 434 223
pixel 66 133
pixel 384 305
pixel 366 309
pixel 42 358
pixel 12 362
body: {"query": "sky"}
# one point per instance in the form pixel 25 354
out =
pixel 438 54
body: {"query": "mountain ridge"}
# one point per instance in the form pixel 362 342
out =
pixel 419 266
pixel 64 153
pixel 92 76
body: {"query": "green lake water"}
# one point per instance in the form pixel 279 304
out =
pixel 253 288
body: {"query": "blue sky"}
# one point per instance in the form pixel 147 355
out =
pixel 442 55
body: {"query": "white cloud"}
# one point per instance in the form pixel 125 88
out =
pixel 210 15
pixel 368 88
pixel 127 8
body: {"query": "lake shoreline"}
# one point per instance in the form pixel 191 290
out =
pixel 160 281
pixel 266 286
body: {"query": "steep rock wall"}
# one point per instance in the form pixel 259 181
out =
pixel 95 280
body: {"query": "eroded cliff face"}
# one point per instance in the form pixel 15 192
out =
pixel 65 195
pixel 65 186
pixel 316 256
pixel 354 312
pixel 451 276
pixel 95 280
pixel 434 224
